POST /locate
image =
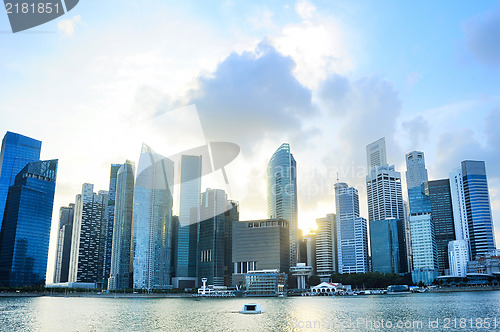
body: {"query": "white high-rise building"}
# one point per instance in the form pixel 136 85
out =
pixel 416 173
pixel 352 238
pixel 375 154
pixel 458 256
pixel 459 207
pixel 326 253
pixel 423 243
pixel 459 250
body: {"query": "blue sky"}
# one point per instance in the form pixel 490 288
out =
pixel 329 77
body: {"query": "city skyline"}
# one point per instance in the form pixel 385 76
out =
pixel 328 78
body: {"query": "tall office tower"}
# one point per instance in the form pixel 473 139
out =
pixel 409 253
pixel 260 245
pixel 459 250
pixel 87 242
pixel 352 238
pixel 375 154
pixel 477 203
pixel 63 251
pixel 215 238
pixel 442 217
pixel 121 251
pixel 17 151
pixel 189 203
pixel 385 239
pixel 152 225
pixel 109 223
pixel 423 240
pixel 308 249
pixel 25 234
pixel 458 256
pixel 326 246
pixel 385 199
pixel 416 173
pixel 282 194
pixel 458 203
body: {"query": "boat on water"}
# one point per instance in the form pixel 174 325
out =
pixel 398 289
pixel 252 308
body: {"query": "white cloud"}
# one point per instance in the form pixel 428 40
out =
pixel 318 47
pixel 68 26
pixel 305 9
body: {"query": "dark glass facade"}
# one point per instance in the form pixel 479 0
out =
pixel 215 237
pixel 386 238
pixel 477 202
pixel 63 251
pixel 25 233
pixel 442 216
pixel 17 151
pixel 260 245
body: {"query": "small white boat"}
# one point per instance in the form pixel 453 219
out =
pixel 252 308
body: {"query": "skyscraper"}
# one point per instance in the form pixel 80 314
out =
pixel 477 203
pixel 459 250
pixel 352 238
pixel 86 262
pixel 282 194
pixel 422 228
pixel 25 233
pixel 152 225
pixel 385 239
pixel 375 154
pixel 109 222
pixel 326 246
pixel 385 199
pixel 17 151
pixel 442 217
pixel 416 173
pixel 260 245
pixel 63 251
pixel 215 237
pixel 121 253
pixel 189 203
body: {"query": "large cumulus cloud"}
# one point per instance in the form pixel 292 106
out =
pixel 250 96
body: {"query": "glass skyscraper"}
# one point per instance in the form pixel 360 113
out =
pixel 121 267
pixel 385 238
pixel 282 194
pixel 63 251
pixel 215 237
pixel 152 223
pixel 17 151
pixel 187 235
pixel 477 202
pixel 109 223
pixel 25 233
pixel 442 217
pixel 352 238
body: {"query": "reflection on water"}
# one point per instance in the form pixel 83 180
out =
pixel 354 313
